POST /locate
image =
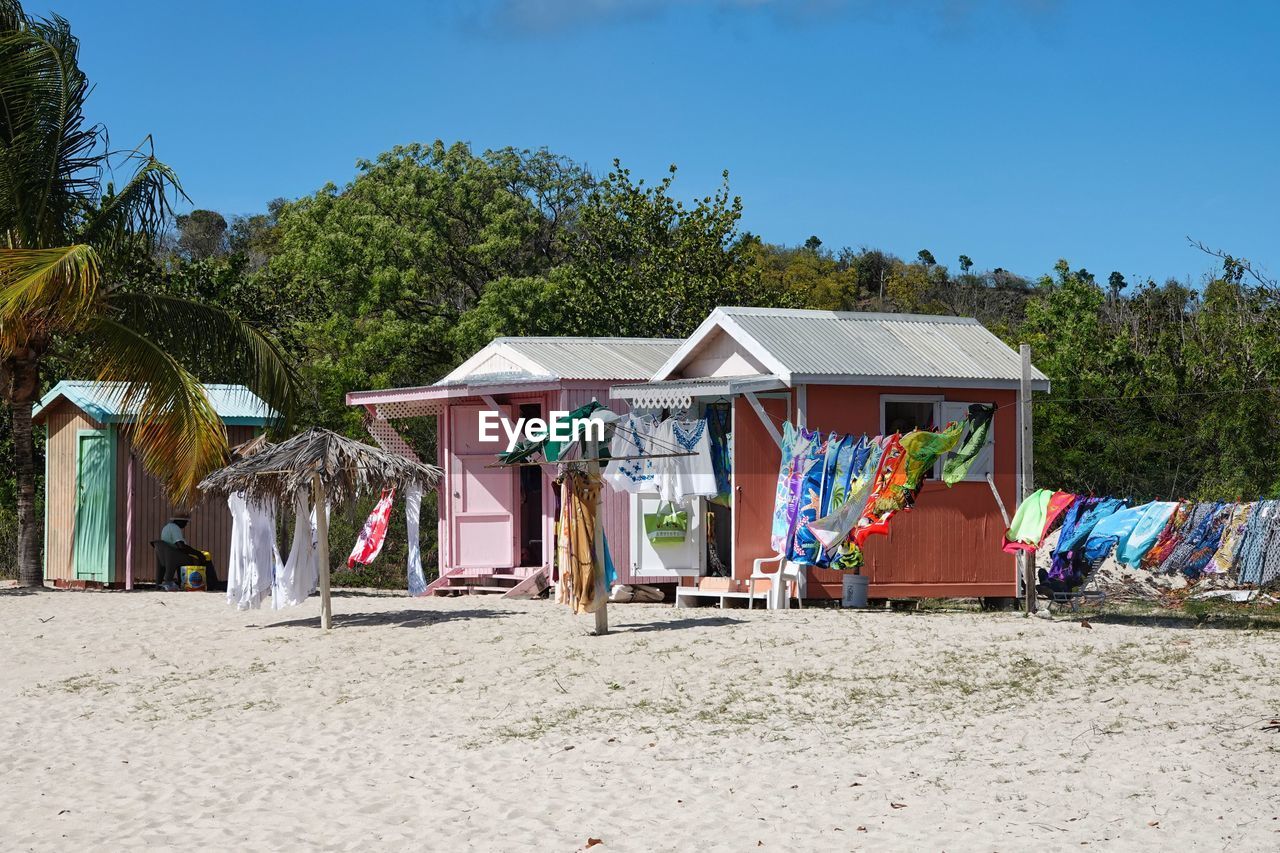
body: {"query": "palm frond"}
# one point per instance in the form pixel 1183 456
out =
pixel 177 434
pixel 216 344
pixel 50 160
pixel 141 206
pixel 52 288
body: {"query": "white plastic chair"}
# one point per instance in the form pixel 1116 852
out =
pixel 790 583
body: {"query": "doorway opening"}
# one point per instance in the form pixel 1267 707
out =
pixel 530 502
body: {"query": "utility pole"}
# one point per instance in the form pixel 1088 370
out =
pixel 1026 456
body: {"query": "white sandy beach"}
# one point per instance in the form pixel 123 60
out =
pixel 150 720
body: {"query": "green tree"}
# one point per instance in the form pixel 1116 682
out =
pixel 639 262
pixel 63 238
pixel 386 267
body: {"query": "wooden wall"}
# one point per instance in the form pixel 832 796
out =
pixel 948 546
pixel 209 528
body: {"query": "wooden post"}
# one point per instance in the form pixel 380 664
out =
pixel 592 449
pixel 322 551
pixel 1026 456
pixel 128 525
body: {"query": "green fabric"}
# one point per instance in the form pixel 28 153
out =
pixel 957 467
pixel 1028 522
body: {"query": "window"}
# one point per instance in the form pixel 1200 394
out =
pixel 903 413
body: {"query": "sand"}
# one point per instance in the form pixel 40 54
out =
pixel 168 721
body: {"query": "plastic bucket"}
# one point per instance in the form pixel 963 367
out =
pixel 193 579
pixel 855 591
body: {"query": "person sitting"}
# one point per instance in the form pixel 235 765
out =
pixel 173 534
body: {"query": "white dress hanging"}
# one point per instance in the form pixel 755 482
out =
pixel 680 478
pixel 300 574
pixel 632 437
pixel 412 512
pixel 255 559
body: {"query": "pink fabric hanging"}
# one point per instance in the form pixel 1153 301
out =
pixel 374 532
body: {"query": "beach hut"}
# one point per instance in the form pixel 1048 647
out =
pixel 496 524
pixel 859 373
pixel 102 508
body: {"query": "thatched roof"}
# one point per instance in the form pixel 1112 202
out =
pixel 348 469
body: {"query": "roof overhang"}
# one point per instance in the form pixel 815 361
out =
pixel 680 393
pixel 431 399
pixel 915 382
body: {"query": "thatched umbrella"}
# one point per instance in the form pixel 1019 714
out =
pixel 332 467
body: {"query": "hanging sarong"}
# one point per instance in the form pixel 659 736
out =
pixel 1251 552
pixel 575 549
pixel 979 423
pixel 1111 532
pixel 1200 539
pixel 787 502
pixel 369 542
pixel 874 519
pixel 836 527
pixel 1223 560
pixel 815 494
pixel 1155 518
pixel 844 555
pixel 1168 539
pixel 778 531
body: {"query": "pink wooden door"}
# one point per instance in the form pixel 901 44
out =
pixel 481 500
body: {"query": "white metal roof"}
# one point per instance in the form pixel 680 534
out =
pixel 847 347
pixel 568 358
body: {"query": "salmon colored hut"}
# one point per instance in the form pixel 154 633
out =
pixel 496 525
pixel 102 509
pixel 854 373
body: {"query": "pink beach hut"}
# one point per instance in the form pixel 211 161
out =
pixel 496 525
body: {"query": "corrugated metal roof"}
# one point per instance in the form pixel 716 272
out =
pixel 479 380
pixel 897 346
pixel 596 358
pixel 102 401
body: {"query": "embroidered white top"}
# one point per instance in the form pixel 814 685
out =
pixel 632 437
pixel 683 477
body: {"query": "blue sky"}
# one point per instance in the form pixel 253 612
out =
pixel 1014 131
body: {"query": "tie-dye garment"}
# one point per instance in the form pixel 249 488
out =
pixel 778 531
pixel 790 478
pixel 824 453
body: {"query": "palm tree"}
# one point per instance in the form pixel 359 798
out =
pixel 65 232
